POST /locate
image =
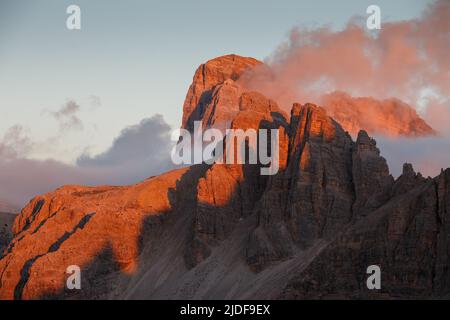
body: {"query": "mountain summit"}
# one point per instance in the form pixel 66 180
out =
pixel 226 232
pixel 214 95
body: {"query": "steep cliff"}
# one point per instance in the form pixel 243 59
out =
pixel 225 231
pixel 6 221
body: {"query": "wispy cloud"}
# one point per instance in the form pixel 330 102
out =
pixel 67 116
pixel 15 143
pixel 94 101
pixel 140 151
pixel 408 60
pixel 137 149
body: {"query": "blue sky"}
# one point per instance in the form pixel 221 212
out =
pixel 136 57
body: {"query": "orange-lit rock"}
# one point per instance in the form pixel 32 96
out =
pixel 392 117
pixel 210 74
pixel 226 232
pixel 75 224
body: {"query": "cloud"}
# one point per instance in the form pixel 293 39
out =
pixel 138 147
pixel 438 113
pixel 67 116
pixel 138 152
pixel 404 60
pixel 15 143
pixel 428 155
pixel 387 117
pixel 94 101
pixel 21 178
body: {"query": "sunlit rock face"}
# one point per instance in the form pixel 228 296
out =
pixel 222 71
pixel 214 94
pixel 227 232
pixel 391 118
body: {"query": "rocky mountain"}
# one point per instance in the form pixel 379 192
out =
pixel 390 117
pixel 226 232
pixel 225 77
pixel 215 79
pixel 6 221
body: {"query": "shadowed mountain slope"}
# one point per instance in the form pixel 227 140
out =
pixel 226 232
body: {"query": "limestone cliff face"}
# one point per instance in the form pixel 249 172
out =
pixel 199 102
pixel 216 87
pixel 6 221
pixel 407 237
pixel 225 231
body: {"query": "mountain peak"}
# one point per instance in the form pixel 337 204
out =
pixel 332 200
pixel 389 117
pixel 214 72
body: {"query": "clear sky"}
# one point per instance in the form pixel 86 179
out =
pixel 132 59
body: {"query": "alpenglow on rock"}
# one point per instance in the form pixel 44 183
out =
pixel 226 232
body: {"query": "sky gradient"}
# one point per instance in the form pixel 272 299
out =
pixel 133 59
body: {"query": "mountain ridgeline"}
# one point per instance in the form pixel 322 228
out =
pixel 226 232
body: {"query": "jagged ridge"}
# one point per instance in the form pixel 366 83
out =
pixel 224 231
